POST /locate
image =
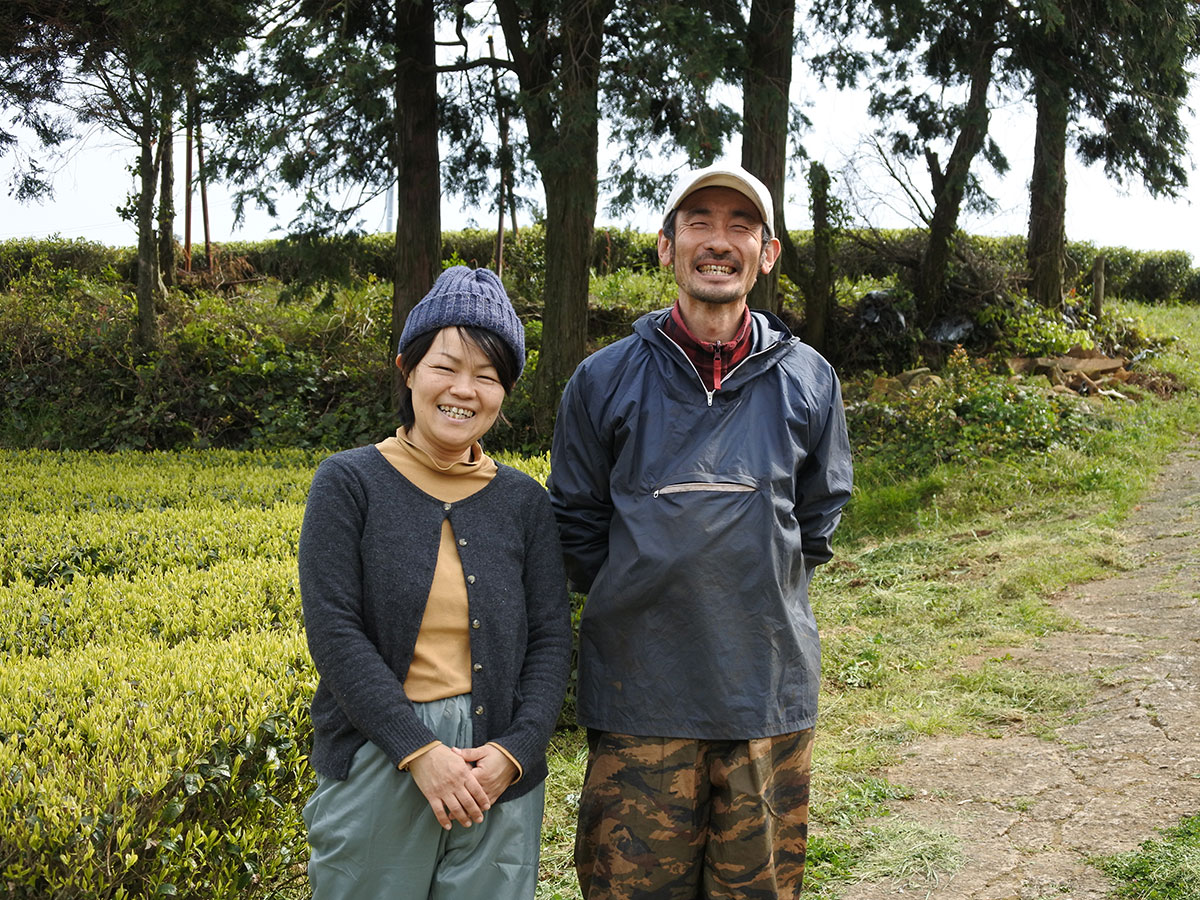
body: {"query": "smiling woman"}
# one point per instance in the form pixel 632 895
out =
pixel 436 613
pixel 456 379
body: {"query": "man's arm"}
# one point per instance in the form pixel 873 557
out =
pixel 580 464
pixel 824 481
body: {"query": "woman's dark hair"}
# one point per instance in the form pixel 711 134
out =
pixel 499 354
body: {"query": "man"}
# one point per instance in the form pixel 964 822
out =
pixel 698 471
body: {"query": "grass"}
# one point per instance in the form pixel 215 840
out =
pixel 936 577
pixel 1167 868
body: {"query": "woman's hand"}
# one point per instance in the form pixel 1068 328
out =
pixel 451 785
pixel 493 769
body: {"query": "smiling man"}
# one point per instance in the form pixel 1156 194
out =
pixel 698 472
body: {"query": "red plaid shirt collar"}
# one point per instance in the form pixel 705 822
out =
pixel 712 360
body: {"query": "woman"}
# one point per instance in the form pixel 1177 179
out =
pixel 436 613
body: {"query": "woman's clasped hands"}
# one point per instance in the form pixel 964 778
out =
pixel 461 784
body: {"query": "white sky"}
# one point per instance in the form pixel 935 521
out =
pixel 93 182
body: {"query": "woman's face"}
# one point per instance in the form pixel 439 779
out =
pixel 456 396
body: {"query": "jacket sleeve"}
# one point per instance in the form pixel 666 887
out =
pixel 824 480
pixel 368 693
pixel 543 678
pixel 580 464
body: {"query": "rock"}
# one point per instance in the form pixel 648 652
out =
pixel 923 381
pixel 885 388
pixel 907 377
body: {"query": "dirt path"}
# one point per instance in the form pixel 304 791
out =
pixel 1029 813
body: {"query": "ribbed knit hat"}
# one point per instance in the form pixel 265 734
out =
pixel 463 296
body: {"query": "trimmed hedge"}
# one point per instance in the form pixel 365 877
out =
pixel 1147 276
pixel 154 680
pixel 154 675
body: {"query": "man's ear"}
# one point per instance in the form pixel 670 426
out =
pixel 770 255
pixel 666 250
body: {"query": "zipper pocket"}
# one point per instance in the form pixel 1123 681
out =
pixel 688 486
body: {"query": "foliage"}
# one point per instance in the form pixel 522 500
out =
pixel 154 674
pixel 25 258
pixel 970 413
pixel 303 357
pixel 1163 869
pixel 1025 328
pixel 644 291
pixel 153 692
pixel 1160 276
pixel 252 373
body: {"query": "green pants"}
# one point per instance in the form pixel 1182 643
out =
pixel 374 837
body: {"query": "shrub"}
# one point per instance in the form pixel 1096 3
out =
pixel 1191 288
pixel 136 771
pixel 1160 276
pixel 1022 327
pixel 153 674
pixel 21 257
pixel 969 414
pixel 247 373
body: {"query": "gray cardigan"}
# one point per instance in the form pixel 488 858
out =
pixel 368 547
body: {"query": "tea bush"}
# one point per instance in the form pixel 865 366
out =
pixel 154 679
pixel 154 676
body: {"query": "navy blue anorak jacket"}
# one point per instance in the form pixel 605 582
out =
pixel 693 520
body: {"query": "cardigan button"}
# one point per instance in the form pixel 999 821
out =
pixel 462 542
pixel 475 623
pixel 477 668
pixel 479 710
pixel 470 579
pixel 446 507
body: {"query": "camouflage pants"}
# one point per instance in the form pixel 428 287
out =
pixel 681 819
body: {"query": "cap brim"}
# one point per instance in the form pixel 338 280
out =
pixel 755 193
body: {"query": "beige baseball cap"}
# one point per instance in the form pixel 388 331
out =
pixel 725 175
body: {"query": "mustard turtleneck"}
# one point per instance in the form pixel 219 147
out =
pixel 441 663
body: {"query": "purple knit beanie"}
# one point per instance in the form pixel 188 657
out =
pixel 463 296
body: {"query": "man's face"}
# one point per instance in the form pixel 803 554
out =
pixel 718 249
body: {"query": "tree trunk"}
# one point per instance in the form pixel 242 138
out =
pixel 415 155
pixel 562 118
pixel 187 191
pixel 819 301
pixel 1098 286
pixel 148 281
pixel 1046 247
pixel 208 256
pixel 166 194
pixel 768 78
pixel 949 188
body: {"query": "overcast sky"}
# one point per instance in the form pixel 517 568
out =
pixel 93 181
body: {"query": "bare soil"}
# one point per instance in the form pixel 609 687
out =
pixel 1029 814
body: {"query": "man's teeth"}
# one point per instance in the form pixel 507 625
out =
pixel 716 270
pixel 457 412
